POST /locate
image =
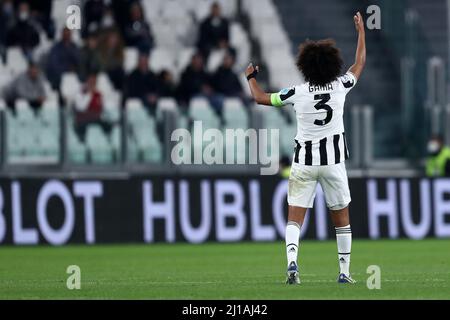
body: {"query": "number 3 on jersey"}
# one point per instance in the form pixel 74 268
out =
pixel 322 105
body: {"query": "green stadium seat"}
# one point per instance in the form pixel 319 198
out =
pixel 77 151
pixel 116 141
pixel 100 149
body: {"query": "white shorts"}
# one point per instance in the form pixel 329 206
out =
pixel 303 183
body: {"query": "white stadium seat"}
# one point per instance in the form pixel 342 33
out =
pixel 215 60
pixel 184 58
pixel 165 104
pixel 162 58
pixel 70 85
pixel 131 59
pixel 16 61
pixel 104 85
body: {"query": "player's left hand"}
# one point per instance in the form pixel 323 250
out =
pixel 359 23
pixel 250 69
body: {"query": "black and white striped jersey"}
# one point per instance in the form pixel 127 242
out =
pixel 320 138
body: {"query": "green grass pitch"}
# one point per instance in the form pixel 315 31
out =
pixel 409 270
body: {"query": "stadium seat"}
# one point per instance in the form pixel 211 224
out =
pixel 58 12
pixel 173 10
pixel 162 58
pixel 98 145
pixel 130 59
pixel 244 84
pixel 70 86
pixel 239 39
pixel 183 122
pixel 153 154
pixel 43 48
pixel 77 151
pixel 24 114
pixel 111 107
pixel 234 113
pixel 49 116
pixel 147 144
pixel 48 142
pixel 165 104
pixel 164 34
pixel 137 115
pixel 184 58
pixel 199 109
pixel 104 85
pixel 152 9
pixel 175 14
pixel 16 61
pixel 132 150
pixel 5 79
pixel 133 103
pixel 143 142
pixel 215 60
pixel 116 141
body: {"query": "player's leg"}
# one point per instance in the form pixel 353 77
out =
pixel 296 216
pixel 334 182
pixel 301 192
pixel 341 221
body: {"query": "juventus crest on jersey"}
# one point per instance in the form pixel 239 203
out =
pixel 320 138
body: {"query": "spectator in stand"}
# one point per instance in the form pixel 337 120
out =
pixel 93 12
pixel 137 31
pixel 143 84
pixel 119 7
pixel 23 32
pixel 111 50
pixel 90 59
pixel 64 56
pixel 167 86
pixel 6 22
pixel 224 80
pixel 98 16
pixel 89 107
pixel 194 80
pixel 28 86
pixel 214 31
pixel 41 11
pixel 108 21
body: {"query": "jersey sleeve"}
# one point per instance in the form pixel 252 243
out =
pixel 283 97
pixel 348 81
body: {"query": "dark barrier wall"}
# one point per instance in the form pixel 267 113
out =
pixel 198 209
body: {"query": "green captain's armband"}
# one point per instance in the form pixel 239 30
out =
pixel 275 100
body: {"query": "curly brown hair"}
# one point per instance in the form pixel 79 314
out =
pixel 319 61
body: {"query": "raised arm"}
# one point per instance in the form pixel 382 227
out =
pixel 360 57
pixel 258 94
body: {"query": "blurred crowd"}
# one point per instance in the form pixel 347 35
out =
pixel 108 27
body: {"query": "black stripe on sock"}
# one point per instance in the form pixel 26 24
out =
pixel 308 153
pixel 344 253
pixel 323 152
pixel 292 244
pixel 337 151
